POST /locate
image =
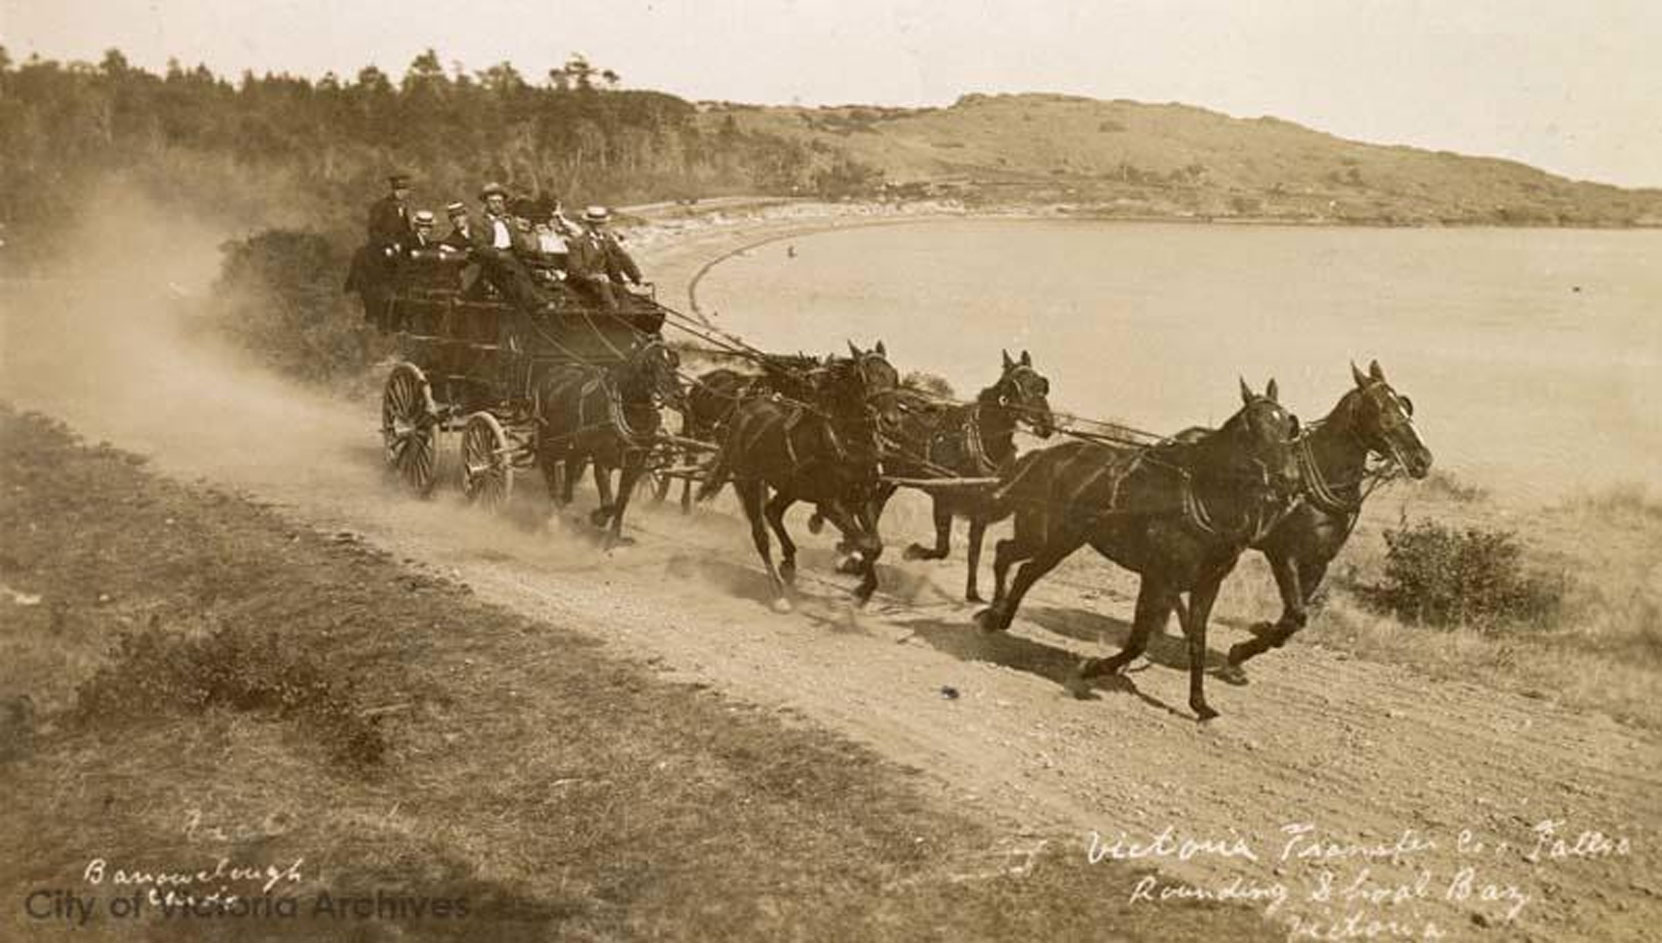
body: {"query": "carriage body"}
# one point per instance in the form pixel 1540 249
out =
pixel 468 361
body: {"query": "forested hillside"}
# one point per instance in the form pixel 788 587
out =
pixel 281 150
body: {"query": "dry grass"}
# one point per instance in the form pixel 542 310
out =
pixel 562 793
pixel 1602 651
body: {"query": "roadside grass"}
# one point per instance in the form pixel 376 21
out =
pixel 563 793
pixel 1600 648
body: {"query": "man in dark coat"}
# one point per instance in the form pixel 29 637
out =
pixel 374 266
pixel 497 244
pixel 598 263
pixel 390 226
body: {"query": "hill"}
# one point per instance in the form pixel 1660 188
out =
pixel 1132 159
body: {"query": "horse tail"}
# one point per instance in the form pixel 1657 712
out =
pixel 722 470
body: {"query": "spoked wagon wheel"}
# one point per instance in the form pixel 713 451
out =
pixel 409 427
pixel 487 462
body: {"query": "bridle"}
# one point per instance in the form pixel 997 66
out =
pixel 1391 415
pixel 1011 392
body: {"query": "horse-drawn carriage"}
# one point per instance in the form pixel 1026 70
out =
pixel 471 362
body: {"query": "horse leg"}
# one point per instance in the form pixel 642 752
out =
pixel 1201 598
pixel 1289 580
pixel 634 463
pixel 574 465
pixel 866 517
pixel 1022 544
pixel 752 497
pixel 863 536
pixel 977 530
pixel 943 534
pixel 996 617
pixel 1154 606
pixel 553 474
pixel 603 484
pixel 776 508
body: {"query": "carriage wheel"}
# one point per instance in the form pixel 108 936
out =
pixel 487 462
pixel 409 427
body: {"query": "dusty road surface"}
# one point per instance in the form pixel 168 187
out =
pixel 1347 799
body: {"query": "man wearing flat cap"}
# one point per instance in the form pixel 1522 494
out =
pixel 390 227
pixel 598 262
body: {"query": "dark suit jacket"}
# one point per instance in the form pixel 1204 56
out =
pixel 600 254
pixel 389 223
pixel 484 236
pixel 456 240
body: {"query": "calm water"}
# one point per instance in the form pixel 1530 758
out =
pixel 1520 380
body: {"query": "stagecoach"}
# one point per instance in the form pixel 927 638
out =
pixel 468 362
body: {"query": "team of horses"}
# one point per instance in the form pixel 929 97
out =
pixel 843 433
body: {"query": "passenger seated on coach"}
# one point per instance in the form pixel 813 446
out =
pixel 552 230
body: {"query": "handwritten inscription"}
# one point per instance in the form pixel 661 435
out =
pixel 1324 887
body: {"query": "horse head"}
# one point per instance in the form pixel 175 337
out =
pixel 1259 438
pixel 653 373
pixel 874 382
pixel 1383 421
pixel 1025 391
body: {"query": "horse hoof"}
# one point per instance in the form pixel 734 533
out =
pixel 915 552
pixel 787 572
pixel 862 595
pixel 781 605
pixel 989 620
pixel 1079 686
pixel 1232 673
pixel 1203 712
pixel 600 517
pixel 973 596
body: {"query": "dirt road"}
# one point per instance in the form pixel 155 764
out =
pixel 1382 804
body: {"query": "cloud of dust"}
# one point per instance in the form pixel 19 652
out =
pixel 100 340
pixel 103 341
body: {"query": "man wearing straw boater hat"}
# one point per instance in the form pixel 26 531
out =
pixel 460 236
pixel 424 236
pixel 598 262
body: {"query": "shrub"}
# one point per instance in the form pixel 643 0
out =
pixel 928 383
pixel 280 295
pixel 1435 575
pixel 233 668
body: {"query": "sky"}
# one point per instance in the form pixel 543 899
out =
pixel 1571 86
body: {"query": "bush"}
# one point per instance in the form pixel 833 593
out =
pixel 1435 575
pixel 928 383
pixel 280 295
pixel 233 668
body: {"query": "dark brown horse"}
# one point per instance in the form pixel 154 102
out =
pixel 824 450
pixel 976 440
pixel 1370 419
pixel 608 415
pixel 713 395
pixel 1179 514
